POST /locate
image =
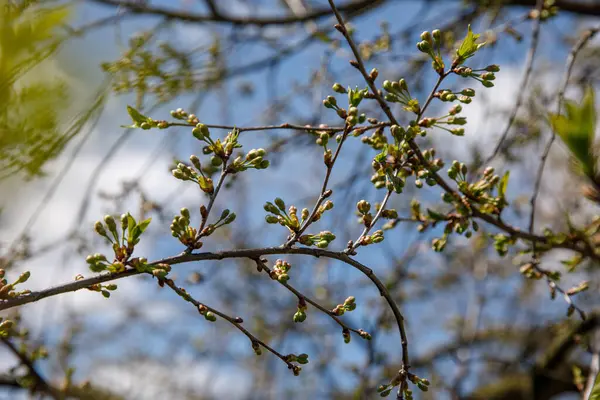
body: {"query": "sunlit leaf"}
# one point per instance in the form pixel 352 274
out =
pixel 576 129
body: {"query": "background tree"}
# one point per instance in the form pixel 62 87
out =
pixel 476 327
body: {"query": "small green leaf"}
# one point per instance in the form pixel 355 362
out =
pixel 468 47
pixel 503 184
pixel 144 224
pixel 595 395
pixel 436 216
pixel 577 128
pixel 137 117
pixel 131 224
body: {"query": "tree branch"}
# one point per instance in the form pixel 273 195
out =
pixel 185 16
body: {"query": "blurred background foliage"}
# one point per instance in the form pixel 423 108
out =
pixel 478 329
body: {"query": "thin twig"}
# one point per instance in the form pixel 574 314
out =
pixel 263 267
pixel 40 383
pixel 212 199
pixel 143 8
pixel 325 193
pixel 367 229
pixel 237 322
pixel 587 35
pixel 535 35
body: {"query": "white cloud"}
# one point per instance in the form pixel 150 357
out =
pixel 172 379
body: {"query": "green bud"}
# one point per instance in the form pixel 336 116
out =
pixel 264 164
pixel 216 161
pixel 23 277
pixel 322 244
pixel 424 47
pixel 210 316
pixel 99 228
pixel 387 85
pixel 145 126
pixel 437 35
pixel 110 223
pixel 492 68
pixel 363 206
pixel 487 84
pixel 338 88
pixel 185 213
pixel 300 316
pixel 403 85
pixel 230 219
pixel 468 92
pixel 271 219
pixel 426 36
pixel 280 203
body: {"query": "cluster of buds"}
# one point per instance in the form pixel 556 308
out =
pixel 289 219
pixel 349 305
pixel 253 159
pixel 451 118
pixel 187 173
pixel 376 237
pixel 482 189
pixel 183 231
pixel 278 215
pixel 431 44
pixel 484 75
pixel 388 168
pixel 377 140
pixel 183 115
pixel 280 271
pixel 7 289
pixel 464 96
pixel 123 241
pixel 397 92
pixel 5 327
pixel 320 240
pixel 208 315
pixel 502 243
pixel 421 383
pixel 549 10
pixel 355 96
pixel 98 263
pixel 104 289
pixel 300 315
pixel 299 358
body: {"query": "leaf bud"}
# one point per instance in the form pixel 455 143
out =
pixel 338 88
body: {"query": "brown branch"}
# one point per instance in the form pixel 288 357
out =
pixel 40 385
pixel 253 254
pixel 135 7
pixel 573 6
